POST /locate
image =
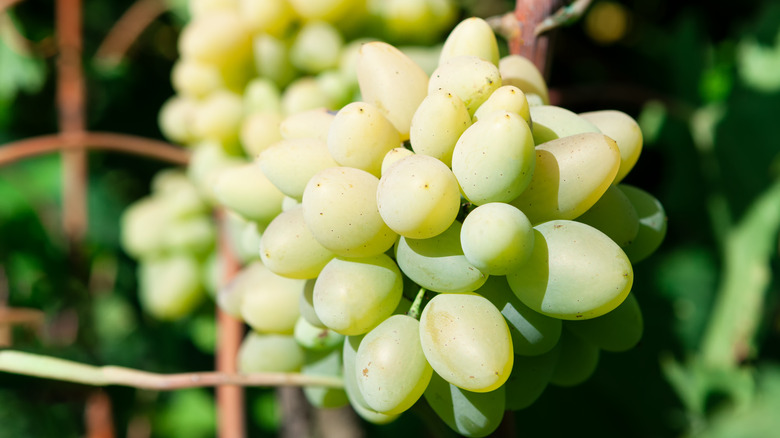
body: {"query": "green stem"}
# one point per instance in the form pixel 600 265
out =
pixel 47 367
pixel 414 311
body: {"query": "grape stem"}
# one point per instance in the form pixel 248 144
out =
pixel 414 311
pixel 29 364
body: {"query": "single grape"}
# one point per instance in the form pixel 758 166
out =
pixel 471 78
pixel 496 237
pixel 247 191
pixel 270 302
pixel 625 131
pixel 391 369
pixel 258 131
pixel 313 123
pixel 437 124
pixel 349 352
pixel 472 36
pixel 575 272
pixel 570 175
pixel 316 47
pixel 494 159
pixel 290 164
pixel 577 361
pixel 552 122
pixel 288 248
pixel 522 73
pixel 315 338
pixel 618 330
pixel 383 71
pixel 614 215
pixel 353 295
pixel 505 98
pixel 438 263
pixel 340 209
pixel 652 223
pixel 418 197
pixel 361 137
pixel 467 342
pixel 268 353
pixel 529 378
pixel 170 287
pixel 471 414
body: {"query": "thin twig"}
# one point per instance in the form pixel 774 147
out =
pixel 14 151
pixel 48 367
pixel 127 30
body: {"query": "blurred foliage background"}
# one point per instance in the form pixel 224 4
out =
pixel 702 78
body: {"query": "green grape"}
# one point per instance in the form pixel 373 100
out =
pixel 361 136
pixel 351 345
pixel 352 296
pixel 315 338
pixel 618 330
pixel 391 369
pixel 652 223
pixel 208 159
pixel 506 98
pixel 272 59
pixel 179 194
pixel 412 21
pixel 273 17
pixel 270 303
pixel 169 288
pixel 288 248
pixel 195 79
pixel 614 215
pixel 262 95
pixel 269 353
pixel 467 342
pixel 522 73
pixel 529 378
pixel 625 131
pixel 328 10
pixel 496 237
pixel 290 164
pixel 437 124
pixel 176 118
pixel 324 363
pixel 307 305
pixel 472 36
pixel 194 235
pixel 575 272
pixel 249 241
pixel 494 159
pixel 418 197
pixel 570 175
pixel 553 122
pixel 258 131
pixel 316 47
pixel 471 78
pixel 471 414
pixel 313 123
pixel 218 118
pixel 304 94
pixel 382 71
pixel 198 8
pixel 218 38
pixel 532 333
pixel 348 60
pixel 142 235
pixel 438 264
pixel 246 190
pixel 394 155
pixel 427 57
pixel 335 87
pixel 340 209
pixel 577 361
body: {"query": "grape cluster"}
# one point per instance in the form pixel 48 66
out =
pixel 447 235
